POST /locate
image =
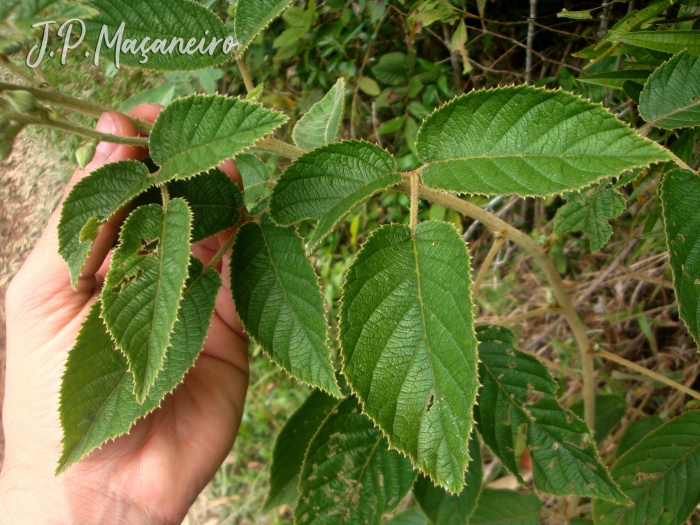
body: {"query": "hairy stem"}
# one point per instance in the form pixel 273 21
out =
pixel 245 73
pixel 495 224
pixel 222 251
pixel 495 248
pixel 91 133
pixel 17 71
pixel 415 200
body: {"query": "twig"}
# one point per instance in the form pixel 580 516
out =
pixel 16 70
pixel 375 125
pixel 531 246
pixel 245 73
pixel 604 18
pixel 530 40
pixel 532 313
pixel 220 254
pixel 495 248
pixel 646 372
pixel 415 200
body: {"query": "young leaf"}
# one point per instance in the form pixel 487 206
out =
pixel 443 508
pixel 609 411
pixel 291 445
pixel 279 301
pixel 168 24
pixel 668 41
pixel 636 432
pixel 329 182
pixel 197 133
pixel 257 186
pixel 616 79
pixel 97 400
pixel 518 396
pixel 526 141
pixel 143 287
pixel 91 202
pixel 214 199
pixel 408 345
pixel 589 211
pixel 660 476
pixel 252 16
pixel 506 507
pixel 349 474
pixel 671 97
pixel 321 124
pixel 680 194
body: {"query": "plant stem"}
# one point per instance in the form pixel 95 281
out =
pixel 530 40
pixel 90 133
pixel 16 70
pixel 495 248
pixel 532 313
pixel 54 98
pixel 495 224
pixel 222 251
pixel 415 200
pixel 165 195
pixel 645 371
pixel 245 73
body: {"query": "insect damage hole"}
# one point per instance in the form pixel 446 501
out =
pixel 431 400
pixel 149 247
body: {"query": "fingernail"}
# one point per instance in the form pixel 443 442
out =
pixel 107 123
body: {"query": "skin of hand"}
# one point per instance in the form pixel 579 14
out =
pixel 153 474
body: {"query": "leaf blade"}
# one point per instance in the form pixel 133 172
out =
pixel 253 16
pixel 320 125
pixel 664 41
pixel 506 507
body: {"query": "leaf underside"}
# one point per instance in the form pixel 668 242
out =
pixel 143 287
pixel 94 200
pixel 320 125
pixel 408 344
pixel 349 474
pixel 197 133
pixel 518 396
pixel 506 507
pixel 329 182
pixel 257 186
pixel 526 141
pixel 290 446
pixel 279 301
pixel 671 97
pixel 159 20
pixel 97 402
pixel 589 211
pixel 661 476
pixel 443 508
pixel 252 16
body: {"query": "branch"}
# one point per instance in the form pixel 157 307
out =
pixel 495 224
pixel 245 73
pixel 530 40
pixel 495 248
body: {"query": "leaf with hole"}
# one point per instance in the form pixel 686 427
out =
pixel 214 199
pixel 517 397
pixel 589 211
pixel 257 186
pixel 252 17
pixel 408 346
pixel 660 475
pixel 680 194
pixel 197 133
pixel 156 34
pixel 526 141
pixel 91 203
pixel 506 507
pixel 671 97
pixel 329 182
pixel 349 474
pixel 279 301
pixel 320 125
pixel 443 508
pixel 290 447
pixel 97 400
pixel 143 288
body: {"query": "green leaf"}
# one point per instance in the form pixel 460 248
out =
pixel 636 18
pixel 329 182
pixel 256 93
pixel 636 432
pixel 369 86
pixel 167 24
pixel 349 474
pixel 671 97
pixel 23 9
pixel 91 202
pixel 660 475
pixel 253 16
pixel 506 507
pixel 410 517
pixel 291 445
pixel 616 79
pixel 589 211
pixel 526 141
pixel 97 401
pixel 143 287
pixel 257 186
pixel 214 199
pixel 408 346
pixel 609 411
pixel 518 397
pixel 279 301
pixel 392 68
pixel 575 15
pixel 680 194
pixel 443 508
pixel 321 124
pixel 197 133
pixel 668 41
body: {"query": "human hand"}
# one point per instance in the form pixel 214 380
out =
pixel 153 474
